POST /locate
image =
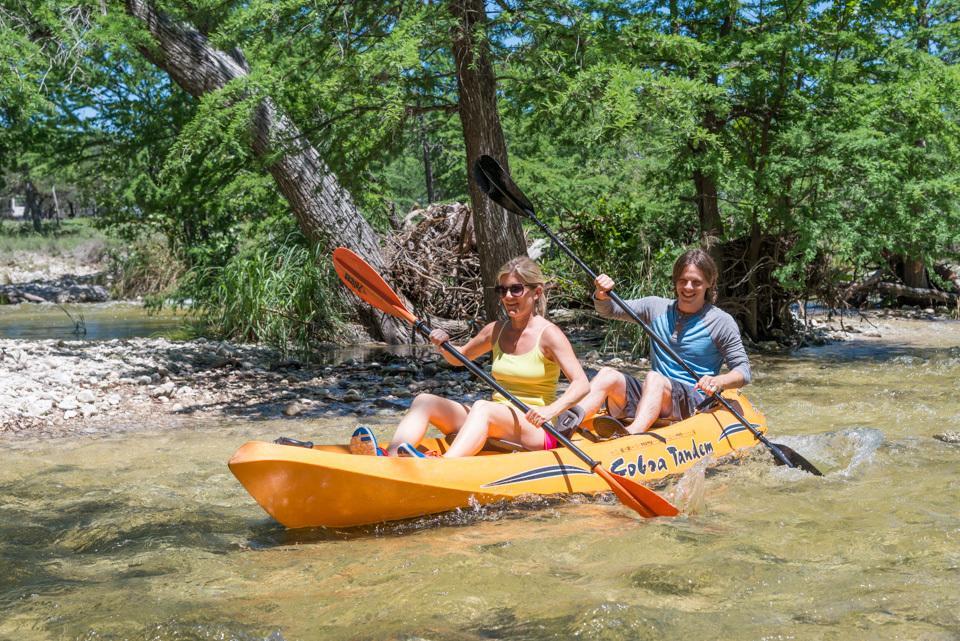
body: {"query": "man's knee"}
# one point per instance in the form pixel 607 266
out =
pixel 606 379
pixel 655 379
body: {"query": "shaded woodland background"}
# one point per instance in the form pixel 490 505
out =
pixel 814 147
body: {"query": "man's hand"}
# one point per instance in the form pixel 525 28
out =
pixel 710 385
pixel 603 285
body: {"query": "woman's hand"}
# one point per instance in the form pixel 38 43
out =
pixel 438 337
pixel 538 416
pixel 603 285
pixel 710 385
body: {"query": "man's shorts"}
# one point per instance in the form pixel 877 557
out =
pixel 683 395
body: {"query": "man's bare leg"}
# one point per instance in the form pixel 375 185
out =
pixel 608 385
pixel 655 402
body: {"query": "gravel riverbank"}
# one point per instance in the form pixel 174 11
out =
pixel 60 387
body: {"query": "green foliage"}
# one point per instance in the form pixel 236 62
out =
pixel 275 289
pixel 146 268
pixel 831 126
pixel 54 239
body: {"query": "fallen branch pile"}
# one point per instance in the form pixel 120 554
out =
pixel 433 260
pixel 880 281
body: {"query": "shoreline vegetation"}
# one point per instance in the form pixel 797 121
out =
pixel 276 291
pixel 811 148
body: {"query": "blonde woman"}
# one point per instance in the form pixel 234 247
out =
pixel 529 352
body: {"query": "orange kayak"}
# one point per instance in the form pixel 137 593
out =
pixel 327 486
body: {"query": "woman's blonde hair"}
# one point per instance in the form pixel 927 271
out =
pixel 530 275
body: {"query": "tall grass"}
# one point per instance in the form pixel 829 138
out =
pixel 282 294
pixel 147 268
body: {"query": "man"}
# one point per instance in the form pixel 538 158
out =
pixel 703 335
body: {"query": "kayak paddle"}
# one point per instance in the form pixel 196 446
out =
pixel 366 283
pixel 497 183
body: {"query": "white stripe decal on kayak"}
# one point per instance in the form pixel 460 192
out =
pixel 538 473
pixel 735 428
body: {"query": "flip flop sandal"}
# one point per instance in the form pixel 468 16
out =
pixel 608 427
pixel 406 449
pixel 569 420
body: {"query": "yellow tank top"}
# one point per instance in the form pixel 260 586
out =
pixel 530 376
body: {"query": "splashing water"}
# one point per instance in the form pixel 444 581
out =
pixel 840 453
pixel 689 494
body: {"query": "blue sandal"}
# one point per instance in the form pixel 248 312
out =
pixel 364 442
pixel 406 449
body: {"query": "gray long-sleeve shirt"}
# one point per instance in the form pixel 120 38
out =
pixel 705 340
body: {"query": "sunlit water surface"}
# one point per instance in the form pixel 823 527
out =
pixel 89 321
pixel 148 536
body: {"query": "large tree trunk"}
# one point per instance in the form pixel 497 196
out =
pixel 914 270
pixel 915 273
pixel 32 206
pixel 708 208
pixel 324 210
pixel 499 233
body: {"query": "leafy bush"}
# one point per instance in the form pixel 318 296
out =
pixel 147 268
pixel 275 289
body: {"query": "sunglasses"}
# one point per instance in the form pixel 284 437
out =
pixel 514 290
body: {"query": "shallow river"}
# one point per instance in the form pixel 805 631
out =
pixel 90 321
pixel 148 536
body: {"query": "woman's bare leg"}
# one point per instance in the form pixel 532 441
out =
pixel 489 419
pixel 427 410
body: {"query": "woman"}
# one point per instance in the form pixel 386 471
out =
pixel 528 354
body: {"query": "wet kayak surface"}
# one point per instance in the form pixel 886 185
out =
pixel 147 535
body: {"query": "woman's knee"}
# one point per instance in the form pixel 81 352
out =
pixel 482 408
pixel 424 401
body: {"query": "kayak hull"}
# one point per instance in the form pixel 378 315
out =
pixel 327 486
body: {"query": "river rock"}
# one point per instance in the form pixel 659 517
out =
pixel 114 399
pixel 68 403
pixel 352 396
pixel 59 377
pixel 86 396
pixel 166 389
pixel 39 406
pixel 70 414
pixel 294 409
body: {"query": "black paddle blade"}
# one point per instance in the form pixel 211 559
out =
pixel 496 183
pixel 796 460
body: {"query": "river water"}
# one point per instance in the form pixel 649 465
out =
pixel 148 536
pixel 90 321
